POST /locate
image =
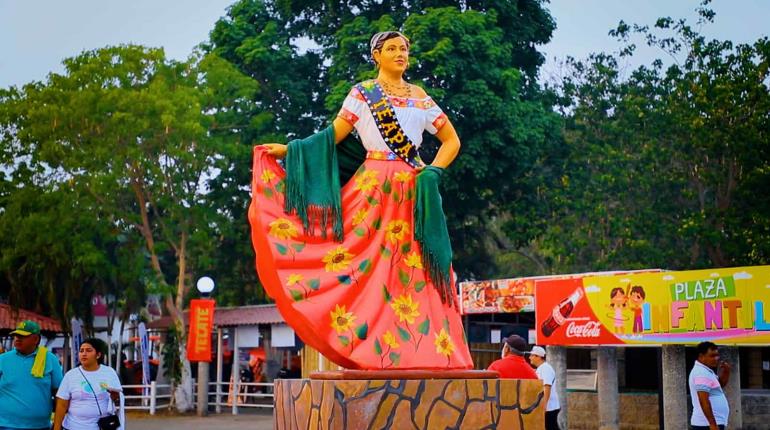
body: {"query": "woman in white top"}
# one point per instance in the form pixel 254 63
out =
pixel 87 392
pixel 366 300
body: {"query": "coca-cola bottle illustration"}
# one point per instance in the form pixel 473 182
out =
pixel 561 312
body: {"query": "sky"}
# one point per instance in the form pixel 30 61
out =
pixel 36 35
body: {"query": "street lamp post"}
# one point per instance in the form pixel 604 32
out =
pixel 205 286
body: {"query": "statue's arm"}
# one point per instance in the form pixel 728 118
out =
pixel 450 145
pixel 342 129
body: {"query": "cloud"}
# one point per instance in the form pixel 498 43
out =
pixel 714 275
pixel 593 289
pixel 742 275
pixel 625 281
pixel 668 278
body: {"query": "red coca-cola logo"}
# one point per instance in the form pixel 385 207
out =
pixel 589 329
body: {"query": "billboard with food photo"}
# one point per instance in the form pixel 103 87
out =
pixel 511 295
pixel 498 296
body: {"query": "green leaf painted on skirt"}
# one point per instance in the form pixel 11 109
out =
pixel 362 330
pixel 385 251
pixel 377 223
pixel 298 246
pixel 297 295
pixel 314 284
pixel 377 347
pixel 418 286
pixel 403 334
pixel 281 249
pixel 344 279
pixel 344 340
pixel 403 277
pixel 359 231
pixel 268 192
pixel 365 266
pixel 372 201
pixel 424 327
pixel 386 187
pixel 386 294
pixel 395 358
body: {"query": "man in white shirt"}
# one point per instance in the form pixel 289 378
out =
pixel 546 374
pixel 709 403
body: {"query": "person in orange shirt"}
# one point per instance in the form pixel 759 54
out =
pixel 512 365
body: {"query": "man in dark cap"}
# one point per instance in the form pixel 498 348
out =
pixel 512 365
pixel 29 374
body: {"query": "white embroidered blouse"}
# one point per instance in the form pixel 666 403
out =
pixel 414 114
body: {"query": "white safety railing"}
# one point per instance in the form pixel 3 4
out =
pixel 157 396
pixel 250 395
pixel 152 397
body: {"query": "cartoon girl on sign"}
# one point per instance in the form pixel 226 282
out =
pixel 637 296
pixel 618 301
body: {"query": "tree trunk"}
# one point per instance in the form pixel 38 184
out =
pixel 184 392
pixel 183 396
pixel 119 358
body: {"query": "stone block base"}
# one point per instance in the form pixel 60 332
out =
pixel 408 404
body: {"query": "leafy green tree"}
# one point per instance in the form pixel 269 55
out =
pixel 130 130
pixel 32 225
pixel 667 165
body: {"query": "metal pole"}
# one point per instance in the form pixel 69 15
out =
pixel 236 372
pixel 203 388
pixel 219 370
pixel 153 397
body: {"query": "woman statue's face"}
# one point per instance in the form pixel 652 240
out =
pixel 394 55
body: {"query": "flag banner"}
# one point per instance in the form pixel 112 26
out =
pixel 201 324
pixel 144 349
pixel 77 339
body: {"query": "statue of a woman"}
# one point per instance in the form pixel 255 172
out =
pixel 363 274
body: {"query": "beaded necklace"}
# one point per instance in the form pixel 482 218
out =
pixel 396 90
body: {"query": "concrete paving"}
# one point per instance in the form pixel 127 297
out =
pixel 244 421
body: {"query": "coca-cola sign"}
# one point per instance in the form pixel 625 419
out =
pixel 588 329
pixel 564 315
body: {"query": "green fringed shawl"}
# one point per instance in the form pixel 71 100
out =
pixel 313 193
pixel 313 183
pixel 430 231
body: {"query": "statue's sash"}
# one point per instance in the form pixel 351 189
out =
pixel 390 129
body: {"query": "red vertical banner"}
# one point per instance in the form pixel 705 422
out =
pixel 201 324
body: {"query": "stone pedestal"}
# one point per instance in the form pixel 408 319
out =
pixel 557 357
pixel 733 387
pixel 607 375
pixel 674 387
pixel 408 404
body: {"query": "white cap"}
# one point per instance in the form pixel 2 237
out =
pixel 537 350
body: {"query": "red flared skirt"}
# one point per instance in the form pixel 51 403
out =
pixel 365 303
